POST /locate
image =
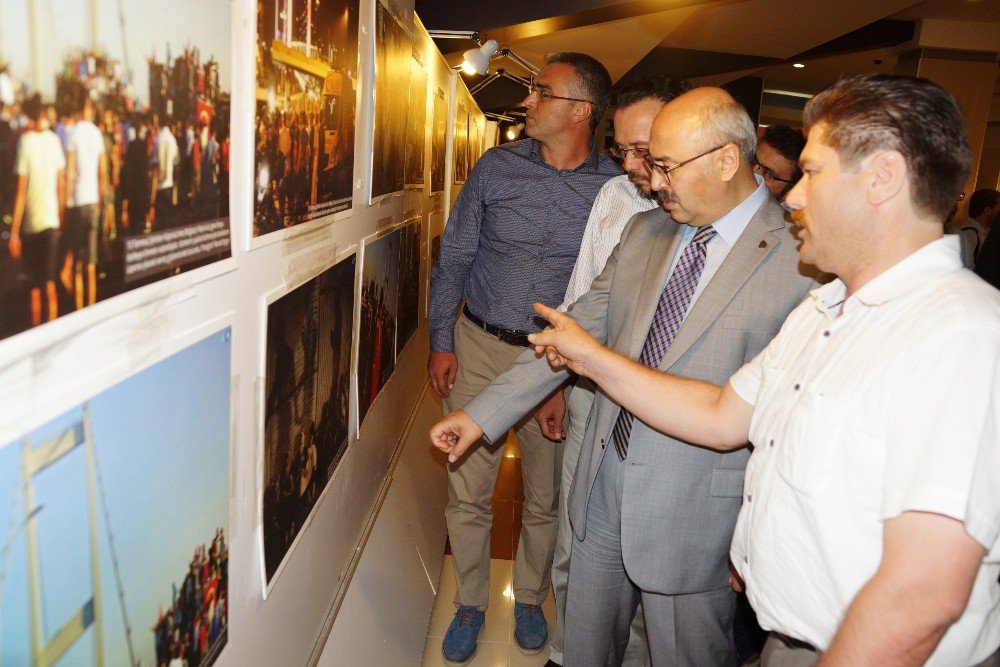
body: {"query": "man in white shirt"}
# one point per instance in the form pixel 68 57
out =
pixel 39 205
pixel 621 198
pixel 870 528
pixel 86 178
pixel 167 156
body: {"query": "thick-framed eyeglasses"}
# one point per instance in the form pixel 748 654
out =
pixel 546 95
pixel 768 174
pixel 664 171
pixel 621 152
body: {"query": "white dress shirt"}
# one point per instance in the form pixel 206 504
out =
pixel 865 408
pixel 616 202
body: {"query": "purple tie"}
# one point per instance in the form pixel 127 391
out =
pixel 670 312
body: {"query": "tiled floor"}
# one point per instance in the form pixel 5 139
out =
pixel 496 640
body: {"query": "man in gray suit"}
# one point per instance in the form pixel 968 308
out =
pixel 652 516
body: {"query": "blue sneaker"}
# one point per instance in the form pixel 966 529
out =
pixel 459 643
pixel 530 629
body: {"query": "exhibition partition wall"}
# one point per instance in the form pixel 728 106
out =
pixel 217 226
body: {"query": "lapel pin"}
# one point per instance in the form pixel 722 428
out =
pixel 763 244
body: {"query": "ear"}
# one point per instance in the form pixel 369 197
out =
pixel 727 161
pixel 885 176
pixel 582 112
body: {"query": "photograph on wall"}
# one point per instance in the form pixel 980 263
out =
pixel 119 513
pixel 307 402
pixel 377 331
pixel 416 123
pixel 307 61
pixel 475 141
pixel 439 138
pixel 408 304
pixel 461 147
pixel 114 159
pixel 393 55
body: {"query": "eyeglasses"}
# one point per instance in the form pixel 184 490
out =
pixel 769 173
pixel 546 95
pixel 664 171
pixel 621 152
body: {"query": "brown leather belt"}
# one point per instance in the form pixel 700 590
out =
pixel 509 336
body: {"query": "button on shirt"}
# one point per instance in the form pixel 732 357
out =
pixel 512 238
pixel 864 408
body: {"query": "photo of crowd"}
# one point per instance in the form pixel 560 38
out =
pixel 408 305
pixel 133 487
pixel 393 55
pixel 193 629
pixel 377 333
pixel 461 144
pixel 307 401
pixel 307 59
pixel 416 124
pixel 439 138
pixel 114 164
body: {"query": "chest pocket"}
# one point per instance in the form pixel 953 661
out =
pixel 808 458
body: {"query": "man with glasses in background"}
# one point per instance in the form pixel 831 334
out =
pixel 512 239
pixel 777 160
pixel 699 294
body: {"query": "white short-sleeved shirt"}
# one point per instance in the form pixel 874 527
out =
pixel 166 157
pixel 40 158
pixel 87 143
pixel 863 409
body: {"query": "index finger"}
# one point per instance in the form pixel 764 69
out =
pixel 551 314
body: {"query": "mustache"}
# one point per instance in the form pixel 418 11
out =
pixel 664 197
pixel 798 217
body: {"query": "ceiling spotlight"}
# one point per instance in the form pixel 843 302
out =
pixel 477 61
pixel 798 65
pixel 514 131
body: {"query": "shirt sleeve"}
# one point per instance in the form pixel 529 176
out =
pixel 746 381
pixel 943 447
pixel 459 245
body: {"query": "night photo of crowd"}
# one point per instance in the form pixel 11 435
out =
pixel 377 334
pixel 307 407
pixel 408 307
pixel 193 630
pixel 306 91
pixel 100 156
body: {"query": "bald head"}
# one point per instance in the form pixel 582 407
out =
pixel 708 117
pixel 703 143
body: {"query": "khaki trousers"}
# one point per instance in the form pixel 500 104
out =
pixel 469 514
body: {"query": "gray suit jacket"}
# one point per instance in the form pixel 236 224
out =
pixel 680 502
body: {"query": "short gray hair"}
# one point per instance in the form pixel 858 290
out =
pixel 729 122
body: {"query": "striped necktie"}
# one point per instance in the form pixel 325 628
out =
pixel 670 312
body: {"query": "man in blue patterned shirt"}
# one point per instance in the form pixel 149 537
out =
pixel 512 239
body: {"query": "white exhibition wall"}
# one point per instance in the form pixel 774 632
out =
pixel 55 367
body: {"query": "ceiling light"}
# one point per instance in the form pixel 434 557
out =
pixel 514 131
pixel 477 61
pixel 798 65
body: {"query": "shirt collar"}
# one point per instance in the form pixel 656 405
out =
pixel 935 258
pixel 731 225
pixel 593 160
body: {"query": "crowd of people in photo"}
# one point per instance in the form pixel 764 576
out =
pixel 377 336
pixel 308 403
pixel 188 633
pixel 81 173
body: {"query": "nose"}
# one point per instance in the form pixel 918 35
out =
pixel 530 98
pixel 796 197
pixel 632 163
pixel 657 181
